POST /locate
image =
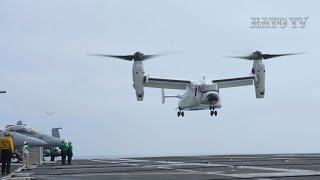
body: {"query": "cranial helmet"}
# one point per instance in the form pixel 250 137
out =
pixel 7 133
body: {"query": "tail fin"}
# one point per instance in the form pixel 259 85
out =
pixel 55 132
pixel 20 123
pixel 163 96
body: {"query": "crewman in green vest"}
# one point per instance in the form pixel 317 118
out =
pixel 69 152
pixel 53 153
pixel 63 148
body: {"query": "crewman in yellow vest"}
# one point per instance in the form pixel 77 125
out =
pixel 6 146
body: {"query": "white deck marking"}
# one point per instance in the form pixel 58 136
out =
pixel 273 175
pixel 174 166
pixel 130 174
pixel 134 160
pixel 280 171
pixel 114 162
pixel 271 169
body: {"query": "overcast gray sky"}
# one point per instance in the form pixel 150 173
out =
pixel 45 68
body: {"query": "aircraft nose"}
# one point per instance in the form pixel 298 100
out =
pixel 212 97
pixel 33 142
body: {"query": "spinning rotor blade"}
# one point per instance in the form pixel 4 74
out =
pixel 241 57
pixel 146 57
pixel 269 56
pixel 128 58
pixel 259 56
pixel 138 56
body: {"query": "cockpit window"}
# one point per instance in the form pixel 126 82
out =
pixel 208 87
pixel 22 129
pixel 31 130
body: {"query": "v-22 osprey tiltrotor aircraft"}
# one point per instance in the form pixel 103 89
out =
pixel 197 95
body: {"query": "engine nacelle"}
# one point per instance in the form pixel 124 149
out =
pixel 259 83
pixel 138 79
pixel 140 95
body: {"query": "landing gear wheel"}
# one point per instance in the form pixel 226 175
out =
pixel 178 113
pixel 182 113
pixel 211 113
pixel 215 113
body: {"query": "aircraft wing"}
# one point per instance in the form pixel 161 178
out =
pixel 166 83
pixel 234 82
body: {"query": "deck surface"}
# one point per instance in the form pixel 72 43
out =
pixel 282 166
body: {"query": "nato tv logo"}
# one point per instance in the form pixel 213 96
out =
pixel 278 22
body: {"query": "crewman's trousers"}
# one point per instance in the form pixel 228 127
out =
pixel 63 157
pixel 69 158
pixel 6 160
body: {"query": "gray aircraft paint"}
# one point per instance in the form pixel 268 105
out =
pixel 26 131
pixel 19 139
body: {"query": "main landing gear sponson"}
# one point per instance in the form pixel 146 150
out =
pixel 180 113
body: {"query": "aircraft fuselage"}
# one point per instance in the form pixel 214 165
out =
pixel 195 99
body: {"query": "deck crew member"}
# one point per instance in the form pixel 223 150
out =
pixel 6 146
pixel 53 153
pixel 69 152
pixel 25 150
pixel 63 148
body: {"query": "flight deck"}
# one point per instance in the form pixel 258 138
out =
pixel 275 166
